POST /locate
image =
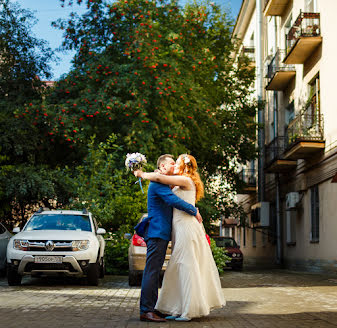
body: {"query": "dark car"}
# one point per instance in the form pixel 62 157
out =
pixel 233 251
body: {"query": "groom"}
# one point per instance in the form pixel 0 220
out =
pixel 160 203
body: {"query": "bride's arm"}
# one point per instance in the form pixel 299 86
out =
pixel 176 180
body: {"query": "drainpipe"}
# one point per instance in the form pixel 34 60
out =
pixel 259 82
pixel 278 222
pixel 277 176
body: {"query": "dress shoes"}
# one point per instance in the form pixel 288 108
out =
pixel 151 316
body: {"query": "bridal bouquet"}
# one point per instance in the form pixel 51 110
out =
pixel 135 161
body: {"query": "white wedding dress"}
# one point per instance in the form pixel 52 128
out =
pixel 191 287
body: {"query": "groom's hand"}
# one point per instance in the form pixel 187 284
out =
pixel 198 216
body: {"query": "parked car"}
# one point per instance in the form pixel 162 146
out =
pixel 233 251
pixel 57 242
pixel 5 235
pixel 137 257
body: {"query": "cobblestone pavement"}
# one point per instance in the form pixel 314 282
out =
pixel 254 299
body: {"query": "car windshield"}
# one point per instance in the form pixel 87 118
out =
pixel 59 222
pixel 225 242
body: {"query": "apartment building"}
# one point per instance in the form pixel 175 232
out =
pixel 292 205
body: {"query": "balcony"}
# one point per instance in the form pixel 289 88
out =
pixel 303 38
pixel 279 75
pixel 305 135
pixel 248 179
pixel 275 7
pixel 274 159
pixel 248 52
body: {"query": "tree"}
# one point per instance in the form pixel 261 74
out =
pixel 161 78
pixel 106 189
pixel 24 60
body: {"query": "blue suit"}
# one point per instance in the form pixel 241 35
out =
pixel 160 203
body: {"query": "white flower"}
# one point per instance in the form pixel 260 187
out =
pixel 186 159
pixel 135 161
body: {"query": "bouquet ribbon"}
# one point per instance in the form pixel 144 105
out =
pixel 140 184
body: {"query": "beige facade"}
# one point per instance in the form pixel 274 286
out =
pixel 292 216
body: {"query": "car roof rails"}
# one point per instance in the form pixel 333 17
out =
pixel 42 209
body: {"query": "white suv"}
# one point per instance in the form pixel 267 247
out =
pixel 57 242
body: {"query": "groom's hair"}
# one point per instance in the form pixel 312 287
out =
pixel 163 158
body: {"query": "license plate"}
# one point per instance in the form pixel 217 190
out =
pixel 48 259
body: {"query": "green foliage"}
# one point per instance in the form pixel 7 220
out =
pixel 159 76
pixel 116 254
pixel 105 188
pixel 220 257
pixel 24 58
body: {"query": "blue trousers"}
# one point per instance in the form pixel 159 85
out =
pixel 155 257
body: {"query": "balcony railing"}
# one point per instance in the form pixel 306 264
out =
pixel 306 27
pixel 278 73
pixel 276 64
pixel 307 126
pixel 275 149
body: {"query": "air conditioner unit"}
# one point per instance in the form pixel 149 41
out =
pixel 260 214
pixel 292 199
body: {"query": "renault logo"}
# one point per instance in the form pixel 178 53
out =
pixel 49 245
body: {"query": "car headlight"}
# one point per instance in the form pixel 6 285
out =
pixel 234 255
pixel 21 244
pixel 80 245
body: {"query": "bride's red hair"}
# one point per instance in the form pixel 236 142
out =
pixel 189 168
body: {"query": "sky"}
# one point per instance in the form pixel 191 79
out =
pixel 47 11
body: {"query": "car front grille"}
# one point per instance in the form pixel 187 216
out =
pixel 40 246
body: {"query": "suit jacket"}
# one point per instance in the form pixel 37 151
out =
pixel 160 203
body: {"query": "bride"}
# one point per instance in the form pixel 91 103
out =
pixel 191 287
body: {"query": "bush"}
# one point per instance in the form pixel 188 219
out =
pixel 116 254
pixel 220 256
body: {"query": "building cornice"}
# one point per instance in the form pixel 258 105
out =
pixel 243 19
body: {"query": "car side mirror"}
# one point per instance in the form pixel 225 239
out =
pixel 16 230
pixel 101 231
pixel 127 236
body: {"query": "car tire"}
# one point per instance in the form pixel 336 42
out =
pixel 102 268
pixel 134 278
pixel 93 274
pixel 13 278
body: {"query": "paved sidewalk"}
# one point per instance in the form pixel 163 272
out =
pixel 254 299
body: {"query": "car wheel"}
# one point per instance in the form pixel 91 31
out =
pixel 13 278
pixel 93 274
pixel 102 268
pixel 134 279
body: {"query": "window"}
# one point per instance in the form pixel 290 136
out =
pixel 310 6
pixel 264 238
pixel 289 113
pixel 227 232
pixel 254 238
pixel 313 104
pixel 239 236
pixel 314 201
pixel 244 236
